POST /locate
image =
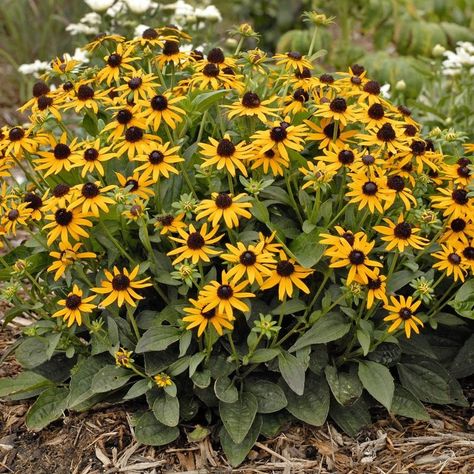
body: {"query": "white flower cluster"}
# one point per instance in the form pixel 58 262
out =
pixel 88 25
pixel 39 67
pixel 460 60
pixel 184 13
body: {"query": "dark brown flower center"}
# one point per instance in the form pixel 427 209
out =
pixel 402 231
pixel 197 55
pixel 338 105
pixel 61 151
pixel 346 157
pixel 454 258
pixel 225 292
pixel 326 78
pixel 34 201
pixel 372 87
pixel 356 257
pixel 468 253
pixel 136 210
pixel 285 268
pixel 209 314
pixel 269 153
pixel 195 241
pixel 166 220
pixel 90 190
pixel 133 183
pixel 278 134
pixel 248 258
pixel 63 217
pixel 368 160
pixel 405 111
pixel 120 282
pixel 223 201
pixel 376 112
pixel 295 55
pixel 60 190
pixel 156 157
pixel 40 88
pixel 418 147
pixel 44 102
pixel 304 74
pixel 16 134
pixel 216 56
pixel 356 80
pixel 225 148
pixel 68 86
pixel 150 34
pixel 410 130
pixel 408 168
pixel 210 70
pixel 91 154
pixel 85 93
pixel 124 116
pixel 349 237
pixel 458 225
pixel 159 103
pixel 374 284
pixel 135 83
pixel 357 69
pixel 170 48
pixel 250 100
pixel 133 134
pixel 13 215
pixel 405 313
pixel 114 60
pixel 300 95
pixel 369 188
pixel 396 183
pixel 463 172
pixel 386 133
pixel 328 130
pixel 73 302
pixel 463 161
pixel 460 197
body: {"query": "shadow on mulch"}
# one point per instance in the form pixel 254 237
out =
pixel 101 442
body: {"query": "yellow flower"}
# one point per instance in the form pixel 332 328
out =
pixel 123 358
pixel 270 160
pixel 337 109
pixel 162 380
pixel 139 85
pixel 368 192
pixel 162 107
pixel 454 202
pixel 451 260
pixel 91 157
pixel 402 314
pixel 67 222
pixel 116 63
pixel 169 223
pixel 92 198
pixel 250 105
pixel 326 134
pixel 67 255
pixel 16 214
pixel 292 60
pixel 376 289
pixel 74 306
pixel 159 161
pixel 137 184
pixel 199 317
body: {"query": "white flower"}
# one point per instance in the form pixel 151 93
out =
pixel 91 18
pixel 385 91
pixel 116 9
pixel 81 29
pixel 34 68
pixel 138 6
pixel 99 5
pixel 210 13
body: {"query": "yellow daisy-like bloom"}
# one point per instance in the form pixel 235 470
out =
pixel 281 136
pixel 92 198
pixel 225 154
pixel 67 255
pixel 467 251
pixel 86 98
pixel 59 158
pixel 215 77
pixel 374 116
pixel 285 274
pixel 337 109
pixel 159 161
pixel 91 157
pixel 196 244
pixel 270 160
pixel 5 196
pixel 455 203
pixel 136 209
pixel 377 289
pixel 356 256
pixel 344 157
pixel 162 380
pixel 116 63
pixel 327 135
pixel 296 102
pixel 67 222
pixel 138 86
pixel 460 173
pixel 251 262
pixel 101 38
pixel 151 37
pixel 123 358
pixel 162 108
pixel 387 138
pixel 18 140
pixel 397 184
pixel 201 318
pixel 335 241
pixel 44 105
pixel 225 296
pixel 370 93
pixel 64 65
pixel 451 260
pixel 293 60
pixel 402 313
pixel 35 203
pixel 169 223
pixel 420 153
pixel 15 215
pixel 250 105
pixel 120 286
pixel 458 230
pixel 135 142
pixel 61 196
pixel 125 116
pixel 401 235
pixel 317 174
pixel 137 184
pixel 74 306
pixel 368 192
pixel 171 54
pixel 268 242
pixel 224 206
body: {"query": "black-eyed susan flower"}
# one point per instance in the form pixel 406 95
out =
pixel 317 175
pixel 139 85
pixel 337 110
pixel 162 380
pixel 150 38
pixel 292 60
pixel 103 38
pixel 116 64
pixel 400 235
pixel 123 358
pixel 74 306
pixel 389 137
pixel 44 105
pixel 91 157
pixel 135 141
pixel 67 255
pixel 136 209
pixel 327 135
pixel 250 105
pixel 86 98
pixel 374 116
pixel 225 154
pixel 198 316
pixel 225 295
pixel 281 136
pixel 270 160
pixel 251 262
pixel 137 184
pixel 450 260
pixel 356 257
pixel 377 289
pixel 334 241
pixel 460 173
pixel 454 202
pixel 296 102
pixel 92 198
pixel 396 183
pixel 120 286
pixel 159 161
pixel 285 274
pixel 224 206
pixel 35 203
pixel 67 222
pixel 171 54
pixel 402 314
pixel 367 191
pixel 344 157
pixel 59 157
pixel 196 245
pixel 370 93
pixel 458 230
pixel 162 108
pixel 61 196
pixel 18 140
pixel 16 214
pixel 215 77
pixel 170 223
pixel 125 116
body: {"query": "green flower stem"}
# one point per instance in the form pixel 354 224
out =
pixel 239 45
pixel 313 217
pixel 235 354
pixel 334 304
pixel 208 343
pixel 438 281
pixel 188 180
pixel 392 265
pixel 313 41
pixel 201 127
pixel 339 214
pixel 133 322
pixel 280 321
pixel 315 297
pixel 138 372
pixel 83 275
pixel 292 198
pixel 116 243
pixel 230 181
pixel 254 347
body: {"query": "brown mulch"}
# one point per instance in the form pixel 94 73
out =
pixel 102 442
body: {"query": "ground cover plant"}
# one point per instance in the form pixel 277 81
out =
pixel 233 240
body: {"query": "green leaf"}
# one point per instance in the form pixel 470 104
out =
pixel 313 406
pixel 260 211
pixel 236 452
pixel 400 279
pixel 307 249
pixel 151 432
pixel 48 407
pixel 202 378
pixel 406 404
pixel 263 355
pixel 25 384
pixel 203 101
pixel 33 351
pixel 292 371
pixel 464 300
pixel 225 390
pixel 364 341
pixel 166 409
pixel 270 397
pixel 137 390
pixel 110 378
pixel 463 364
pixel 289 307
pixel 345 386
pixel 238 417
pixel 351 418
pixel 157 339
pixel 378 381
pixel 329 328
pixel 196 359
pixel 318 359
